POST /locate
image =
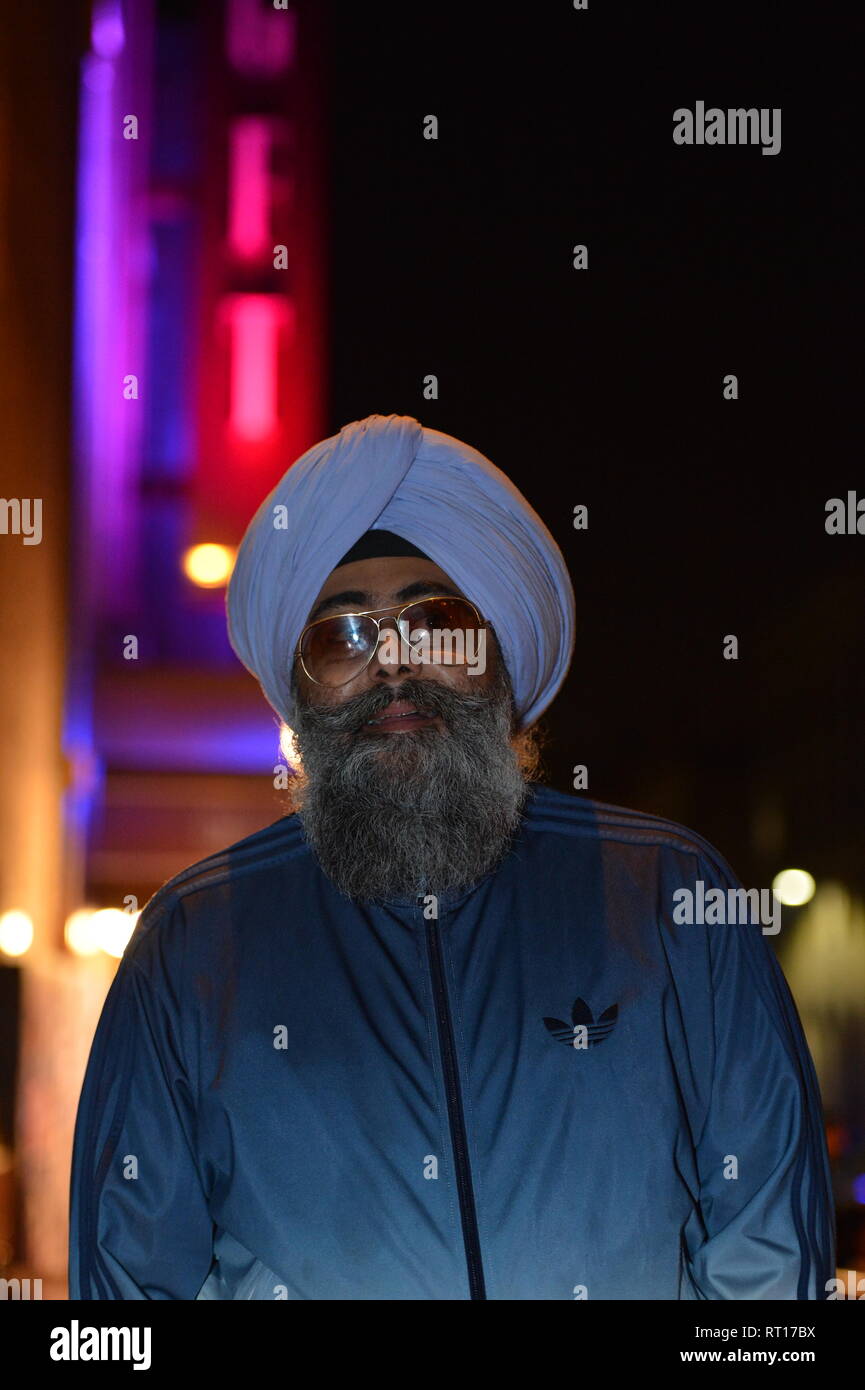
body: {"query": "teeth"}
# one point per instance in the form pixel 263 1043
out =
pixel 382 717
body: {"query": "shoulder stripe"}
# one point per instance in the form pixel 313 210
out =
pixel 284 838
pixel 559 811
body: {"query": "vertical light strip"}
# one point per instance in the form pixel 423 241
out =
pixel 254 323
pixel 249 142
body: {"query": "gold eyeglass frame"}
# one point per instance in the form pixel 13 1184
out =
pixel 370 613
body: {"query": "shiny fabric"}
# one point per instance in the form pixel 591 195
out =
pixel 388 472
pixel 264 1114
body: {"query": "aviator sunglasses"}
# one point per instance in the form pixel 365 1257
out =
pixel 334 650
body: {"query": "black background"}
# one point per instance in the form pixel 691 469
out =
pixel 604 387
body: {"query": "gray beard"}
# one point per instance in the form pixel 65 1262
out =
pixel 420 812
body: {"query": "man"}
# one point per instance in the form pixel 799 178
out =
pixel 441 1033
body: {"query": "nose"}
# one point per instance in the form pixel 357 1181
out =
pixel 388 659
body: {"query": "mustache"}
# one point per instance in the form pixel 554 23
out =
pixel 429 697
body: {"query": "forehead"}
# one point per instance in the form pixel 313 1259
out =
pixel 380 582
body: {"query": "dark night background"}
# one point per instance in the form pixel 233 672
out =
pixel 604 387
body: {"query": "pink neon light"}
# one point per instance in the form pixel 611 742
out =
pixel 254 323
pixel 249 142
pixel 259 41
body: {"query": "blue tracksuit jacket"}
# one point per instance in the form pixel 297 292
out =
pixel 550 1090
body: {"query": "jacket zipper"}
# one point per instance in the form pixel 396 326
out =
pixel 456 1117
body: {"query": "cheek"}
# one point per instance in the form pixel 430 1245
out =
pixel 311 693
pixel 467 678
pixel 333 696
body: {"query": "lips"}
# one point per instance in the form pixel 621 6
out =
pixel 400 714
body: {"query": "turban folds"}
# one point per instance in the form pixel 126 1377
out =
pixel 389 472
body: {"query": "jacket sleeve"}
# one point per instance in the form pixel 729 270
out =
pixel 765 1185
pixel 139 1222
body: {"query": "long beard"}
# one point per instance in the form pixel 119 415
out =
pixel 421 812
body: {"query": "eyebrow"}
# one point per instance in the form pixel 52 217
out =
pixel 360 599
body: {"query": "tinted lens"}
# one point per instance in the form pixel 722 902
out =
pixel 337 650
pixel 443 623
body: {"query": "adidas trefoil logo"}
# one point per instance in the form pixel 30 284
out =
pixel 585 1032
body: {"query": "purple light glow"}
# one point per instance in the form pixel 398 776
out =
pixel 107 35
pixel 111 173
pixel 97 74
